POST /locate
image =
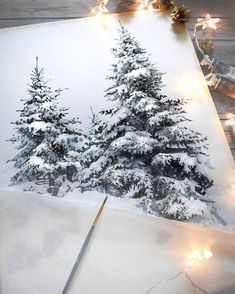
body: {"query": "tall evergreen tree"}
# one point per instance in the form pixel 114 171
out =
pixel 148 150
pixel 49 144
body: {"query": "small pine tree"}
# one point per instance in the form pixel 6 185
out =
pixel 147 149
pixel 94 149
pixel 49 144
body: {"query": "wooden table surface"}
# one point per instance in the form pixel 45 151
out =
pixel 22 12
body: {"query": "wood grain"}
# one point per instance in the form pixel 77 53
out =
pixel 217 8
pixel 81 8
pixel 224 50
pixel 223 103
pixel 44 8
pixel 54 8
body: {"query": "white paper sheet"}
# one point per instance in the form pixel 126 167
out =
pixel 76 55
pixel 128 253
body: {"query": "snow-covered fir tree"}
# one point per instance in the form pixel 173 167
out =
pixel 49 144
pixel 94 146
pixel 147 151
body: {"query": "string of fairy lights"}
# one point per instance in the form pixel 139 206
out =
pixel 221 76
pixel 179 13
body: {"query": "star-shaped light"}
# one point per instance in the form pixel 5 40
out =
pixel 206 61
pixel 212 80
pixel 100 8
pixel 145 4
pixel 198 255
pixel 208 22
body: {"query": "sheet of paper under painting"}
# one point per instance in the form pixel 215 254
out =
pixel 128 253
pixel 151 141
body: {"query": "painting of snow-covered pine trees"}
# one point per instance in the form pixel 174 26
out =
pixel 144 150
pixel 142 147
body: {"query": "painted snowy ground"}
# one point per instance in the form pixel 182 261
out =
pixel 133 205
pixel 226 212
pixel 76 55
pixel 40 238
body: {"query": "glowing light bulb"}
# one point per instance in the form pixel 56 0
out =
pixel 145 5
pixel 207 22
pixel 191 85
pixel 100 8
pixel 230 119
pixel 197 256
pixel 207 254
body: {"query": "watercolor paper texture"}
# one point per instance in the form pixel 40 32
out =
pixel 43 236
pixel 76 55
